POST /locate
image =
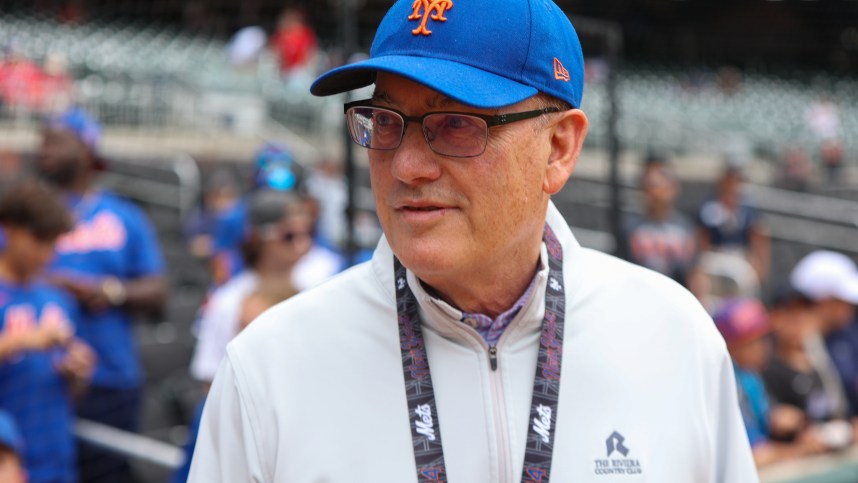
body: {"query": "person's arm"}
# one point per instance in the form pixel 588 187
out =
pixel 38 338
pixel 761 248
pixel 227 447
pixel 146 294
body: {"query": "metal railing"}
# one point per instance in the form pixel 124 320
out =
pixel 129 445
pixel 137 180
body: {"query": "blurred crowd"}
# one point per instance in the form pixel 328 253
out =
pixel 794 350
pixel 27 86
pixel 79 263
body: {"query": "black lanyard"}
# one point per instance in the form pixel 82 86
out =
pixel 422 410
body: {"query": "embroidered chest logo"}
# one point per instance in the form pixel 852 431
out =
pixel 618 461
pixel 428 7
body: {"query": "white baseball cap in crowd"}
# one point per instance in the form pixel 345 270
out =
pixel 825 274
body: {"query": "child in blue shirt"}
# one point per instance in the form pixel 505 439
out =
pixel 42 364
pixel 744 324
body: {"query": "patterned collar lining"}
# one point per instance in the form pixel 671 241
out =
pixel 492 329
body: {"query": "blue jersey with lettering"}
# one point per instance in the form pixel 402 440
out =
pixel 31 389
pixel 111 237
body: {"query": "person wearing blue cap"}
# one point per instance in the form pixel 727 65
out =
pixel 481 343
pixel 112 263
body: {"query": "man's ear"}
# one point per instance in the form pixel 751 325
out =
pixel 567 138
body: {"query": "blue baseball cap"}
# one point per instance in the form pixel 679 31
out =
pixel 79 122
pixel 481 53
pixel 277 169
pixel 741 320
pixel 9 435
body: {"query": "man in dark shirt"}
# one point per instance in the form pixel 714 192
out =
pixel 661 238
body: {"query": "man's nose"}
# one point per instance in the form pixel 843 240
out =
pixel 414 161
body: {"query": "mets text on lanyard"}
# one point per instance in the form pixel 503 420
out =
pixel 422 410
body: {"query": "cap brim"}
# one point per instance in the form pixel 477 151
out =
pixel 462 83
pixel 848 291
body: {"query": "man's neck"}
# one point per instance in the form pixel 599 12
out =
pixel 490 293
pixel 79 186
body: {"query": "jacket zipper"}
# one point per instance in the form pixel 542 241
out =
pixel 502 442
pixel 501 424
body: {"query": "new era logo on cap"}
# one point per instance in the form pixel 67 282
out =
pixel 429 6
pixel 560 72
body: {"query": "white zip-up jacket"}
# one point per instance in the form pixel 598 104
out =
pixel 313 391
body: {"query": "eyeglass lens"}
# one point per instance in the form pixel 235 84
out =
pixel 448 134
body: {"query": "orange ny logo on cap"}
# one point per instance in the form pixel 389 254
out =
pixel 428 6
pixel 560 72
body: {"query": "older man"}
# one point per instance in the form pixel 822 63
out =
pixel 481 343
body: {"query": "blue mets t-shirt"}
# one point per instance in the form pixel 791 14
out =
pixel 111 237
pixel 754 404
pixel 31 390
pixel 229 226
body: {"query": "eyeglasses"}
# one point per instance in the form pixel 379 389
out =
pixel 455 134
pixel 294 236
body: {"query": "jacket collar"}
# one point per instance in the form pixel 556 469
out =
pixel 445 319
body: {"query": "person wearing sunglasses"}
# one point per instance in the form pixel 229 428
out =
pixel 481 343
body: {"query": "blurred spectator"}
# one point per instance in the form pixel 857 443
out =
pixel 276 169
pixel 661 238
pixel 831 153
pixel 795 169
pixel 296 46
pixel 112 263
pixel 823 120
pixel 728 222
pixel 792 376
pixel 327 184
pixel 10 167
pixel 57 84
pixel 278 237
pixel 20 80
pixel 42 364
pixel 269 292
pixel 218 224
pixel 744 325
pixel 829 281
pixel 25 85
pixel 245 47
pixel 11 451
